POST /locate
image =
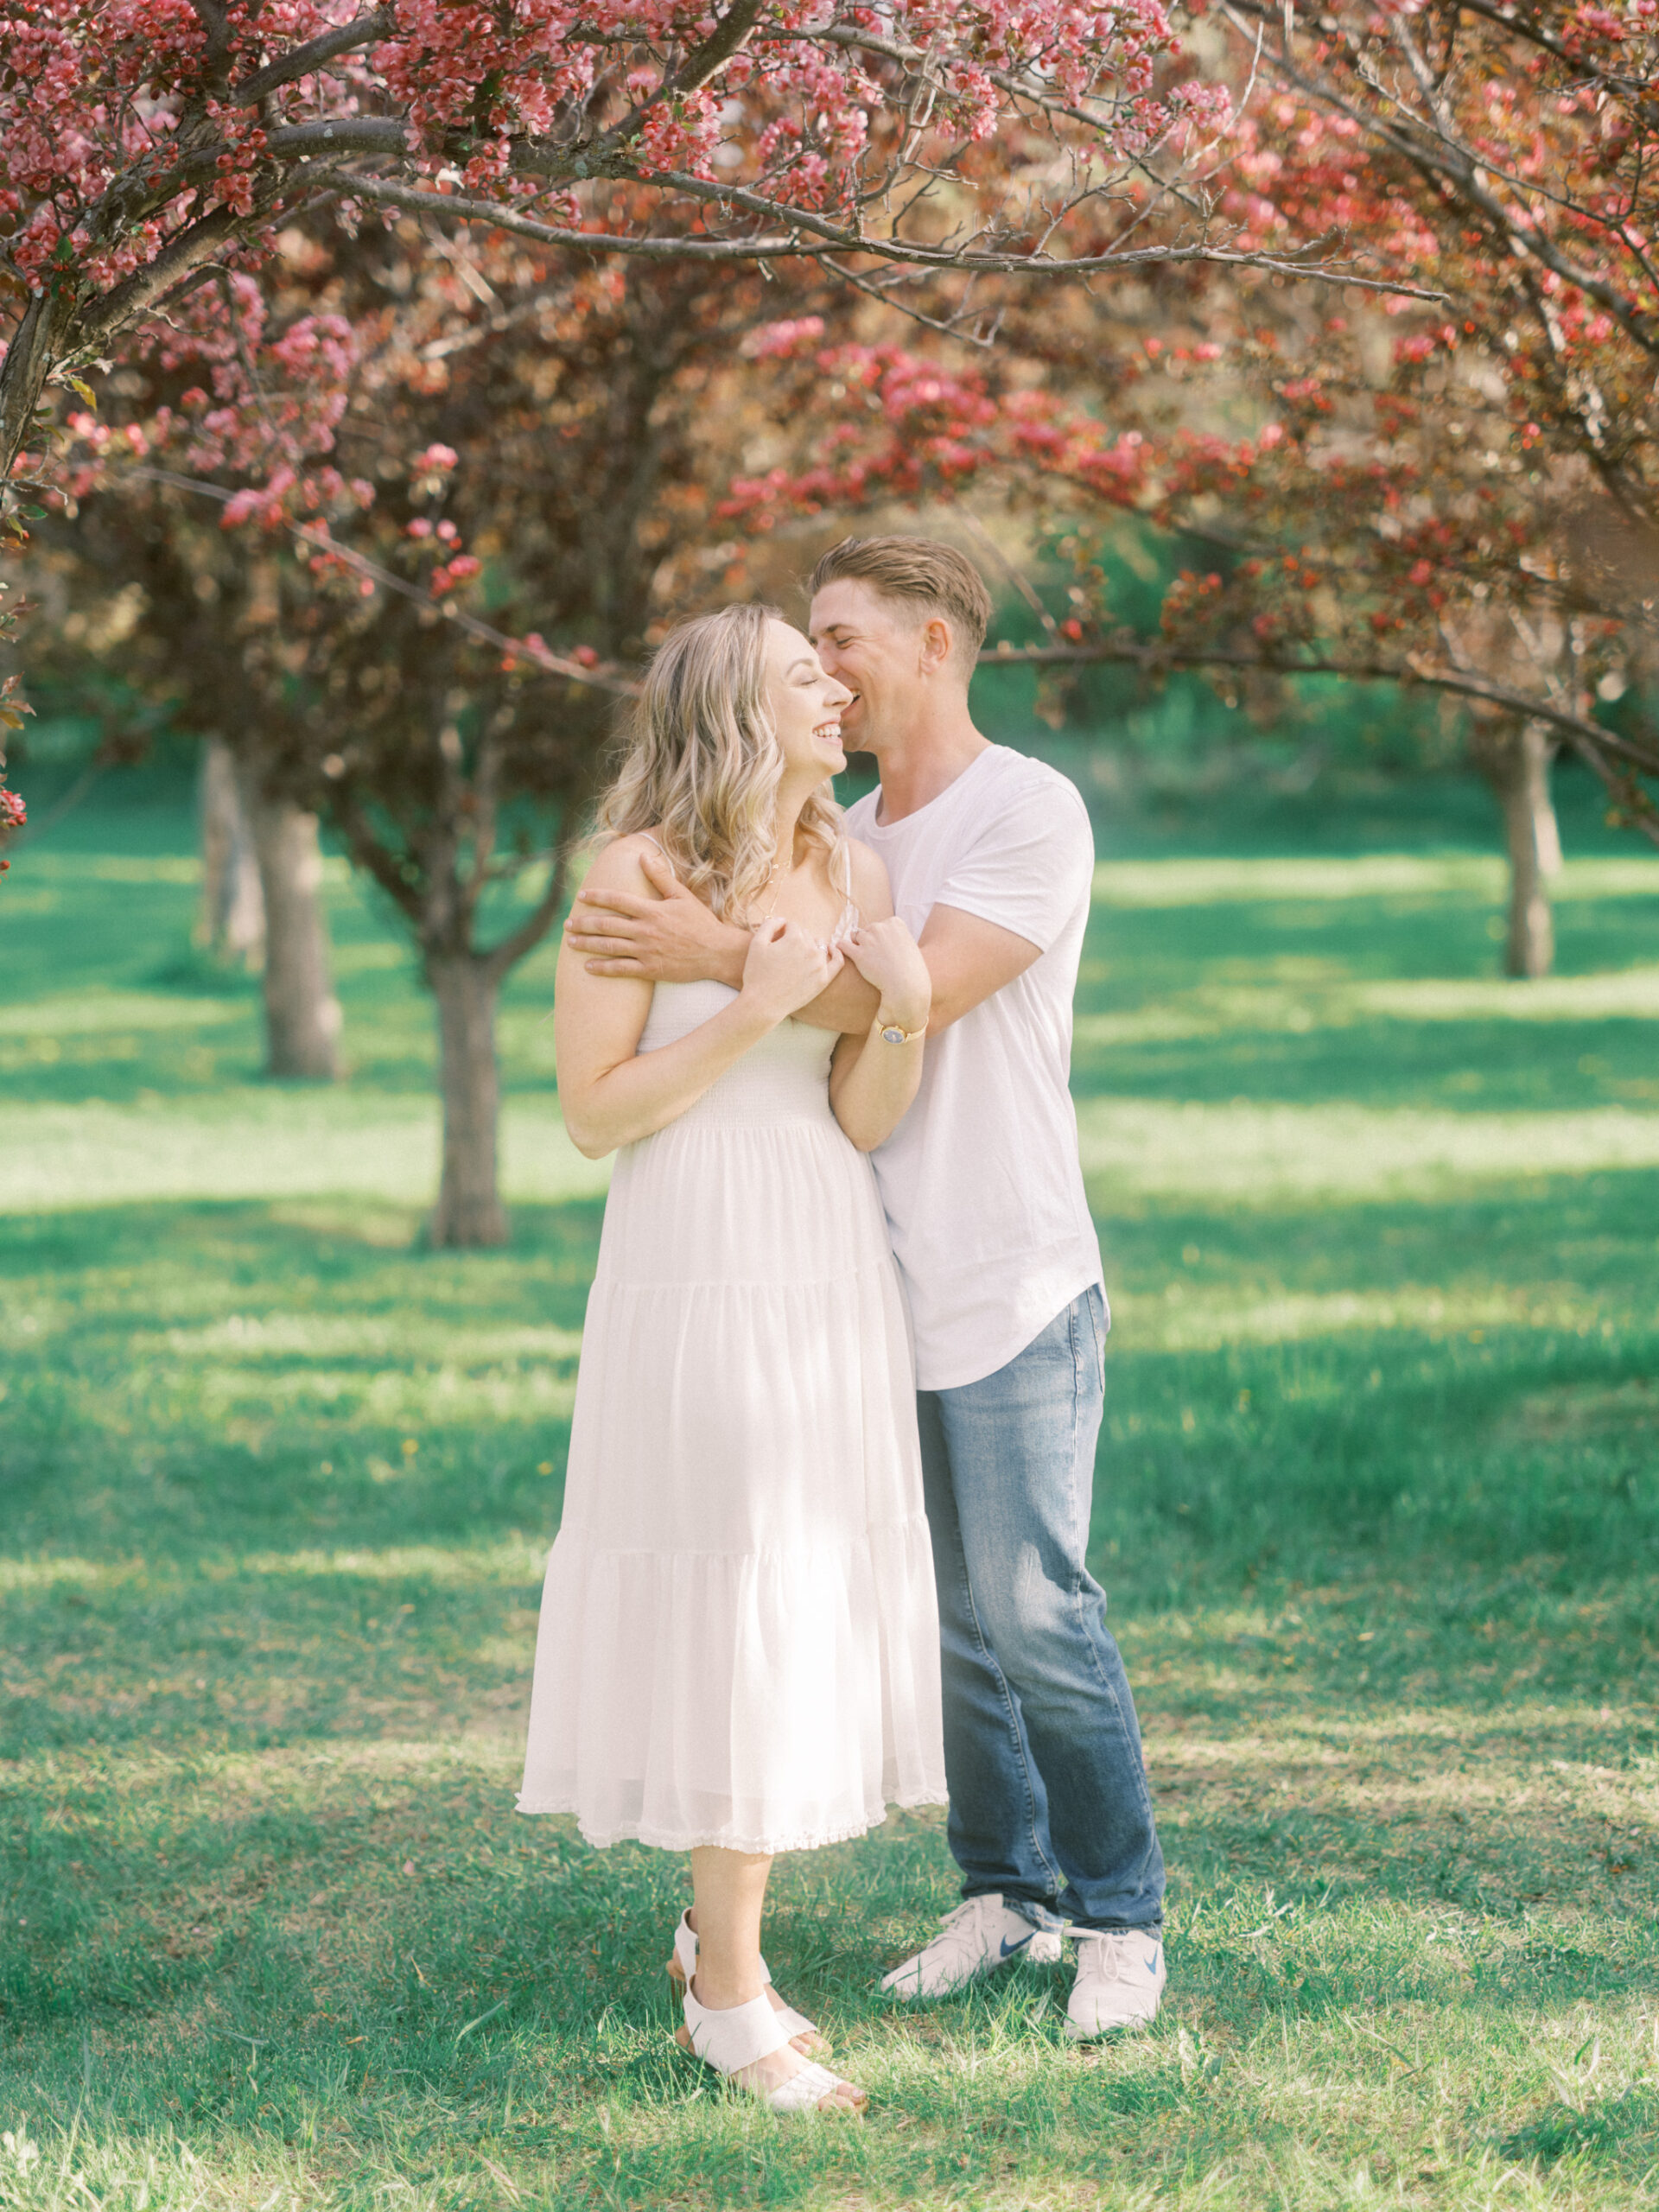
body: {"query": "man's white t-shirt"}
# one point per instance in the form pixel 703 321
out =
pixel 981 1180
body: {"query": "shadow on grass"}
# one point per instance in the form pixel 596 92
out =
pixel 1375 1509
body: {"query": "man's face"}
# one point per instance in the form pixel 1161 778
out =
pixel 874 648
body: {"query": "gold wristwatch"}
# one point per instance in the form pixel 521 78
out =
pixel 891 1034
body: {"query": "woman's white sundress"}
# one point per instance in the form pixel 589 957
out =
pixel 739 1638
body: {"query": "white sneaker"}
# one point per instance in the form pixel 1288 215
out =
pixel 977 1938
pixel 1120 1980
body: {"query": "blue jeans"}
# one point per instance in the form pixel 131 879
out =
pixel 1049 1802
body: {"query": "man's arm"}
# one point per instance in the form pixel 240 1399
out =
pixel 968 960
pixel 1009 897
pixel 673 939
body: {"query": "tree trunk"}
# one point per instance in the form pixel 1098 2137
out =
pixel 1517 766
pixel 468 1210
pixel 1547 830
pixel 301 1012
pixel 36 346
pixel 233 905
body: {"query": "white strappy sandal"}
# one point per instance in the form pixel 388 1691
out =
pixel 735 2036
pixel 684 1965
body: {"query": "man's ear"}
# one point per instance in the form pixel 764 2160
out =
pixel 936 645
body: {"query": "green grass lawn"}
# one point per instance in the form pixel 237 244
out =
pixel 1377 1506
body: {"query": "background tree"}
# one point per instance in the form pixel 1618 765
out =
pixel 385 663
pixel 13 813
pixel 147 144
pixel 233 923
pixel 1458 496
pixel 122 629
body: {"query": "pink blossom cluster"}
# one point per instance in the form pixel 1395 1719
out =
pixel 899 424
pixel 13 816
pixel 247 399
pixel 121 125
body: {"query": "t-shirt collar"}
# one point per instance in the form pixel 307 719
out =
pixel 938 799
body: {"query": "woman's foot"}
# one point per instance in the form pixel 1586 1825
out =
pixel 804 2035
pixel 779 2077
pixel 807 2040
pixel 771 2073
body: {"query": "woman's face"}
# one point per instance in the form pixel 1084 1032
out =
pixel 805 706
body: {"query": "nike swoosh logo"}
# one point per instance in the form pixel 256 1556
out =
pixel 1008 1950
pixel 1152 1963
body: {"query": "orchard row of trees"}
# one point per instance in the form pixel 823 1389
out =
pixel 1460 496
pixel 384 666
pixel 410 365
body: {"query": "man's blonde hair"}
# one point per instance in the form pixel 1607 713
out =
pixel 924 578
pixel 704 764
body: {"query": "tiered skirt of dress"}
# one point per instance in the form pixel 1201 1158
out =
pixel 739 1638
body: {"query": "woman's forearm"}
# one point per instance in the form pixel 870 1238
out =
pixel 872 1086
pixel 646 1091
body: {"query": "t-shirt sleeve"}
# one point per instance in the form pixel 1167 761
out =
pixel 1031 866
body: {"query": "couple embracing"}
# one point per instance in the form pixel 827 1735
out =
pixel 831 1459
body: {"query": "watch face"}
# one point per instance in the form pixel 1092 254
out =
pixel 892 1036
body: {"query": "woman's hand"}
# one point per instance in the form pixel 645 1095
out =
pixel 787 970
pixel 886 955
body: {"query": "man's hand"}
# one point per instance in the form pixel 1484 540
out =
pixel 672 939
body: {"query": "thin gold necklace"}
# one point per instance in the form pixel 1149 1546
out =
pixel 771 874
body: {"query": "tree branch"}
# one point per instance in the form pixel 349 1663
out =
pixel 320 541
pixel 301 60
pixel 1511 20
pixel 1127 653
pixel 382 192
pixel 355 134
pixel 730 34
pixel 133 299
pixel 1443 160
pixel 369 852
pixel 823 239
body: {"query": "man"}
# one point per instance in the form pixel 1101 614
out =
pixel 991 858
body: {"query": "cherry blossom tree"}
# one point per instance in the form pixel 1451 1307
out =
pixel 505 451
pixel 148 145
pixel 1508 547
pixel 1457 495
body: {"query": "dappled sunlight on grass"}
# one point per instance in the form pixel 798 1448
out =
pixel 1246 1153
pixel 1377 1513
pixel 1321 1001
pixel 1370 876
pixel 266 1144
pixel 274 1336
pixel 1184 1322
pixel 94 1013
pixel 506 1562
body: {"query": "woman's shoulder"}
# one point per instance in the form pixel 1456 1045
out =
pixel 618 863
pixel 868 876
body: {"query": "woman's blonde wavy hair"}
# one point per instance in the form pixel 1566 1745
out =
pixel 704 764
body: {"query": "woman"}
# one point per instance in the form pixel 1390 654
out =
pixel 738 1649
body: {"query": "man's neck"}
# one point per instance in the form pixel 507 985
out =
pixel 925 759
